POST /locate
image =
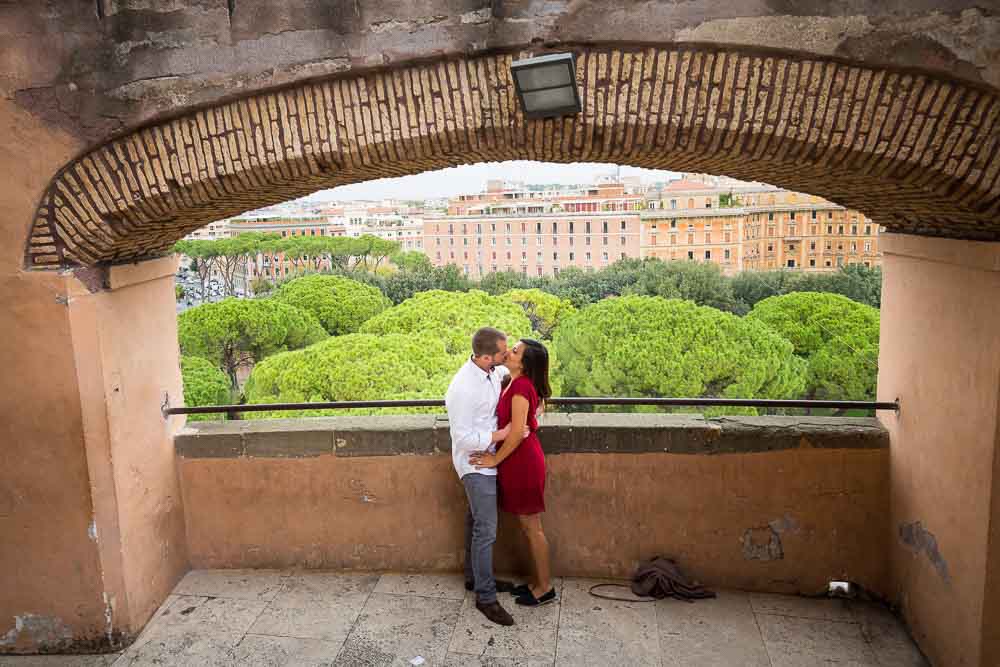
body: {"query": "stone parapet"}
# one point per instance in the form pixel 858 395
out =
pixel 561 434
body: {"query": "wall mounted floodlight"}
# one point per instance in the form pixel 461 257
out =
pixel 546 85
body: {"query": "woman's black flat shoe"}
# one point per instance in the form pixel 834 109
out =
pixel 521 589
pixel 529 600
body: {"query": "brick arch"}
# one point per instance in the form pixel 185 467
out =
pixel 915 152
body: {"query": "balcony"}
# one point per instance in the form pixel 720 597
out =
pixel 298 530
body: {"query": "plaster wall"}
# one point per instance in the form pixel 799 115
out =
pixel 93 536
pixel 785 514
pixel 940 354
pixel 50 569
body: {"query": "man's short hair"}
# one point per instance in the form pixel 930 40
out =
pixel 487 341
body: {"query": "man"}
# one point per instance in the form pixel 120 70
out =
pixel 471 401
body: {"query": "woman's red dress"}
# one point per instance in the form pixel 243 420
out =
pixel 521 476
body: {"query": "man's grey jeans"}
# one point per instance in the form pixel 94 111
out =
pixel 481 534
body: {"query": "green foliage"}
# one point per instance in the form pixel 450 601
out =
pixel 261 286
pixel 701 282
pixel 451 317
pixel 413 260
pixel 544 310
pixel 241 332
pixel 650 346
pixel 354 367
pixel 179 292
pixel 855 281
pixel 838 338
pixel 204 384
pixel 501 282
pixel 342 305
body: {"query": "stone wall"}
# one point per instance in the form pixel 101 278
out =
pixel 768 504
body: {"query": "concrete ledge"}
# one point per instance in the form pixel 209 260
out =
pixel 560 433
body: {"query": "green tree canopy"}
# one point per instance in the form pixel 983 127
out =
pixel 451 317
pixel 837 337
pixel 204 384
pixel 412 260
pixel 650 346
pixel 355 367
pixel 701 282
pixel 241 332
pixel 342 305
pixel 544 310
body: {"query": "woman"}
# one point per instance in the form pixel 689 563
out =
pixel 520 462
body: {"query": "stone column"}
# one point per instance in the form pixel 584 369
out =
pixel 940 355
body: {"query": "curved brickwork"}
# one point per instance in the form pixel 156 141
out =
pixel 914 152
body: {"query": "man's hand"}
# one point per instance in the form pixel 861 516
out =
pixel 483 460
pixel 502 434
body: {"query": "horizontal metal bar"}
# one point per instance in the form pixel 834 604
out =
pixel 566 400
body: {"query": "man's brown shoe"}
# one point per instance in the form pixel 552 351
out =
pixel 495 613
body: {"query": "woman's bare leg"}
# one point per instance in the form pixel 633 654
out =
pixel 531 524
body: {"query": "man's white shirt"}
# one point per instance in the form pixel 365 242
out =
pixel 471 402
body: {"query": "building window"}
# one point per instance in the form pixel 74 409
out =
pixel 812 262
pixel 791 263
pixel 840 229
pixel 538 228
pixel 868 230
pixel 588 257
pixel 708 237
pixel 673 239
pixel 621 241
pixel 570 226
pixel 555 227
pixel 494 255
pixel 791 216
pixel 708 254
pixel 493 241
pixel 812 245
pixel 725 254
pixel 572 256
pixel 508 228
pixel 868 247
pixel 814 215
pixel 690 254
pixel 770 216
pixel 524 257
pixel 604 257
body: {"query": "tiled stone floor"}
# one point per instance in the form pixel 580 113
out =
pixel 308 618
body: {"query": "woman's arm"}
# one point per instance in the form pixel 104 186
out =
pixel 518 432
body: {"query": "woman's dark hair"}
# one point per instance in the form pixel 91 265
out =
pixel 535 366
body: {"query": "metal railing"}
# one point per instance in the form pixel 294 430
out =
pixel 233 411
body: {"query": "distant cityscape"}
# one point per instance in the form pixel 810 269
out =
pixel 543 229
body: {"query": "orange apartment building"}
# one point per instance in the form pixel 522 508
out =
pixel 739 226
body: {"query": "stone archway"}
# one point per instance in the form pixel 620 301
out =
pixel 911 150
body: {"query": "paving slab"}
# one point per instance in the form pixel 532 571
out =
pixel 824 609
pixel 394 629
pixel 891 643
pixel 595 631
pixel 533 635
pixel 316 605
pixel 263 651
pixel 58 660
pixel 465 660
pixel 193 630
pixel 793 641
pixel 446 586
pixel 714 632
pixel 234 584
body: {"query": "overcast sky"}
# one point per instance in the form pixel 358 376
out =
pixel 472 178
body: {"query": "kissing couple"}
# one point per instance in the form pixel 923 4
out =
pixel 493 403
